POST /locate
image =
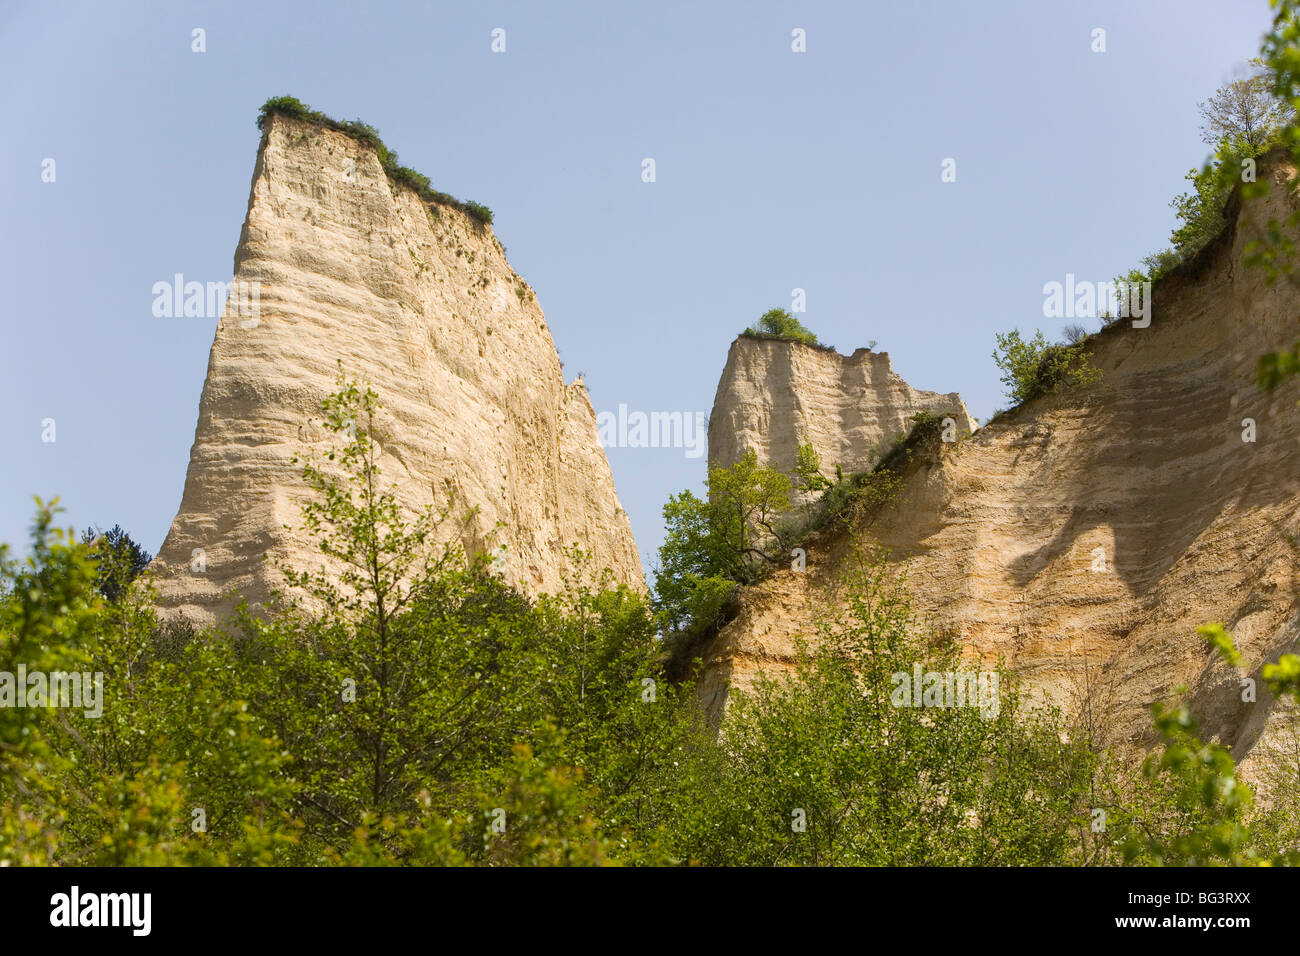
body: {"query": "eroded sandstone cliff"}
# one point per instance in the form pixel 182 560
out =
pixel 1000 534
pixel 419 303
pixel 775 395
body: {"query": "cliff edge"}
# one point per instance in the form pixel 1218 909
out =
pixel 418 301
pixel 1082 538
pixel 775 395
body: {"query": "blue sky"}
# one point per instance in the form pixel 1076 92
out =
pixel 775 171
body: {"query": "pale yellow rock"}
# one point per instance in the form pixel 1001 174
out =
pixel 1148 470
pixel 776 395
pixel 424 308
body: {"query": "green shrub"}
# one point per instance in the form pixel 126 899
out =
pixel 409 177
pixel 365 133
pixel 881 782
pixel 1036 367
pixel 807 469
pixel 780 324
pixel 286 106
pixel 479 211
pixel 851 498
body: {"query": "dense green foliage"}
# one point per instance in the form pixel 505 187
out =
pixel 781 324
pixel 414 708
pixel 120 560
pixel 481 728
pixel 808 469
pixel 418 703
pixel 367 134
pixel 888 783
pixel 752 517
pixel 714 543
pixel 1037 367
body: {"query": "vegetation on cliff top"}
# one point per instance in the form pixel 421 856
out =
pixel 781 325
pixel 367 134
pixel 1242 121
pixel 1036 367
pixel 1245 119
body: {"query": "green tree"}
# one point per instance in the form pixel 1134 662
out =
pixel 828 766
pixel 399 662
pixel 1246 109
pixel 727 538
pixel 49 611
pixel 119 558
pixel 808 469
pixel 780 324
pixel 1243 120
pixel 121 786
pixel 1035 367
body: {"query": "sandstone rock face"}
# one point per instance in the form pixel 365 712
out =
pixel 775 395
pixel 1000 537
pixel 420 304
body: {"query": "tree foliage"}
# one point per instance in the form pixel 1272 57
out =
pixel 118 558
pixel 1242 121
pixel 1246 109
pixel 781 324
pixel 828 768
pixel 413 708
pixel 1035 367
pixel 725 539
pixel 808 469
